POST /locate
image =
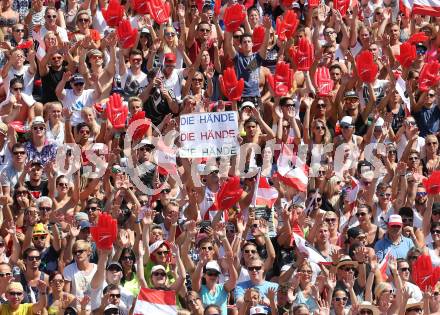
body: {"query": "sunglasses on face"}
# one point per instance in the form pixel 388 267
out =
pixel 79 251
pixel 129 258
pixel 51 16
pixel 83 20
pixel 19 30
pixel 416 309
pixel 92 209
pixel 433 232
pixel 170 34
pixel 366 312
pixel 333 220
pixel 309 272
pixel 39 238
pixel 115 296
pixel 212 274
pixel 78 84
pixel 63 184
pixel 361 214
pixel 339 299
pixel 57 58
pixel 404 269
pixel 250 251
pixel 15 293
pixel 163 253
pixel 38 128
pixel 254 268
pixel 33 258
pixel 17 89
pixel 45 209
pixel 21 193
pixel 207 248
pixel 385 195
pixel 58 281
pixel 159 274
pixel 5 274
pixel 348 269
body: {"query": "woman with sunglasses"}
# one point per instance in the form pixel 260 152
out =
pixel 158 275
pixel 58 299
pixel 304 290
pixel 91 39
pixel 332 192
pixel 129 277
pixel 364 215
pixel 339 302
pixel 195 85
pixel 433 247
pixel 21 200
pixel 211 291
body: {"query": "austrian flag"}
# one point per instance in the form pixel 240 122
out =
pixel 266 194
pixel 422 7
pixel 157 302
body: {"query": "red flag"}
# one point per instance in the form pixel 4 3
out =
pixel 229 193
pixel 366 67
pixel 26 45
pixel 421 7
pixel 432 183
pixel 423 273
pixel 383 265
pixel 429 76
pixel 157 302
pixel 104 233
pixel 230 86
pixel 266 194
pixel 291 170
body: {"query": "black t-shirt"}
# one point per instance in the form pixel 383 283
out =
pixel 37 191
pixel 156 108
pixel 49 260
pixel 49 83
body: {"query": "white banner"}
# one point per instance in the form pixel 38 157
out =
pixel 209 134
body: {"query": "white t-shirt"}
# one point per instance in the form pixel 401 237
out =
pixel 39 36
pixel 76 103
pixel 133 83
pixel 28 79
pixel 174 84
pixel 80 280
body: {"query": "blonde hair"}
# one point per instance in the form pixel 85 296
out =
pixel 81 244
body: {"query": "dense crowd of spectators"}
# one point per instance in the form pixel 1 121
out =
pixel 361 235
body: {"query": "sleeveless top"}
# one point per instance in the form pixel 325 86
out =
pixel 208 207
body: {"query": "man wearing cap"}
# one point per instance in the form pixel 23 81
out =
pixel 77 98
pixel 105 72
pixel 393 240
pixel 350 106
pixel 112 274
pixel 347 135
pixel 14 295
pixel 133 79
pixel 49 254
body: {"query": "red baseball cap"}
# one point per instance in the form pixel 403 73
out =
pixel 170 58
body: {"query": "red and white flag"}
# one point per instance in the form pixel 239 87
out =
pixel 383 265
pixel 292 171
pixel 304 247
pixel 157 302
pixel 266 194
pixel 422 7
pixel 353 191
